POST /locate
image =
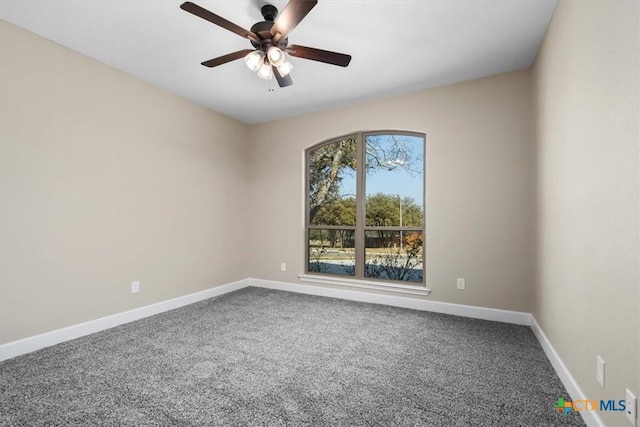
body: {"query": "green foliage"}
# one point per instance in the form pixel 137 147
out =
pixel 337 212
pixel 384 210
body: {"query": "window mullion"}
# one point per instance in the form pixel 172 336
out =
pixel 360 206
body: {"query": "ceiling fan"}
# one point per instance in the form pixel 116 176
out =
pixel 270 41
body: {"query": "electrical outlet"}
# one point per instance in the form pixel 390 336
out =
pixel 135 287
pixel 283 266
pixel 461 284
pixel 631 408
pixel 600 371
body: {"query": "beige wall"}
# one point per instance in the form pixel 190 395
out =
pixel 587 298
pixel 105 180
pixel 479 181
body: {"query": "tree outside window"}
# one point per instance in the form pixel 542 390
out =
pixel 365 206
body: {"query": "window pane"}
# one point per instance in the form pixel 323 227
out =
pixel 394 255
pixel 332 184
pixel 332 252
pixel 394 180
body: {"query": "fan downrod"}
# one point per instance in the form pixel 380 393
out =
pixel 269 12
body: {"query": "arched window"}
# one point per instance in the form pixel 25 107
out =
pixel 365 206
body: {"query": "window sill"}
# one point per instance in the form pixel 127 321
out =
pixel 366 284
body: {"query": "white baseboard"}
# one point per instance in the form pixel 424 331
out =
pixel 27 345
pixel 506 316
pixel 591 418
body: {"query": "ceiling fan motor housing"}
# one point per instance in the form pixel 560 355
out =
pixel 263 31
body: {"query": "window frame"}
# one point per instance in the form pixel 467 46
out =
pixel 360 229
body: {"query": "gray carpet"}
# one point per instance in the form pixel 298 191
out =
pixel 264 357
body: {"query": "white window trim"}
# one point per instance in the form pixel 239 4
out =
pixel 365 284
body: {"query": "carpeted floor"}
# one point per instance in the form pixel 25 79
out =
pixel 265 357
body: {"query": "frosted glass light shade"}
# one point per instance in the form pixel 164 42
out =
pixel 265 72
pixel 276 56
pixel 285 68
pixel 254 60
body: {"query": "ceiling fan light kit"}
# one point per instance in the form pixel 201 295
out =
pixel 270 41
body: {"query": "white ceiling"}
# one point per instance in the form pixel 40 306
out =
pixel 397 46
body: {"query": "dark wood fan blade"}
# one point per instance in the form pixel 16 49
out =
pixel 290 17
pixel 218 20
pixel 320 55
pixel 227 58
pixel 282 81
